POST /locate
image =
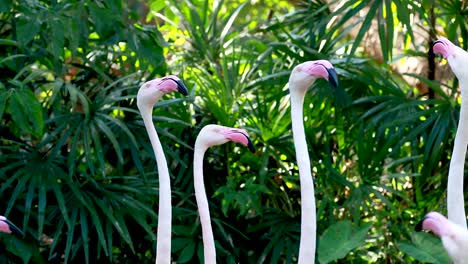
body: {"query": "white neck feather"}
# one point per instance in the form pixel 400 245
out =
pixel 455 197
pixel 163 251
pixel 202 203
pixel 456 244
pixel 308 210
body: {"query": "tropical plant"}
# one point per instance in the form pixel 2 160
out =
pixel 78 174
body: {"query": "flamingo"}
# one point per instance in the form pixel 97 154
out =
pixel 148 94
pixel 301 78
pixel 211 135
pixel 8 227
pixel 454 237
pixel 458 60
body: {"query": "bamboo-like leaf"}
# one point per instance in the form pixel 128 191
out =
pixel 123 226
pixel 59 143
pixel 434 85
pixel 13 177
pixel 120 125
pixel 109 238
pixel 55 242
pixel 115 222
pixel 85 235
pixel 17 191
pixel 87 143
pixel 70 235
pixel 108 132
pixel 230 21
pixel 99 150
pixel 96 222
pixel 72 158
pixel 142 222
pixel 365 24
pixel 61 203
pixel 30 195
pixel 42 203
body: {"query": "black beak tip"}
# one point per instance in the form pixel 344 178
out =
pixel 419 226
pixel 17 232
pixel 333 77
pixel 14 229
pixel 181 88
pixel 251 146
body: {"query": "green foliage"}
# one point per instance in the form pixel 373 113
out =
pixel 78 173
pixel 67 118
pixel 339 239
pixel 425 248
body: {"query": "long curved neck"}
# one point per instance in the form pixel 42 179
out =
pixel 455 198
pixel 308 214
pixel 163 250
pixel 202 203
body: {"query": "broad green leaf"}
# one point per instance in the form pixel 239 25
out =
pixel 26 111
pixel 425 248
pixel 57 37
pixel 20 247
pixel 339 239
pixel 5 5
pixel 417 253
pixel 187 253
pixel 179 243
pixel 27 28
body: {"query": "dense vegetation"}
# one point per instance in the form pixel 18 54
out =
pixel 78 172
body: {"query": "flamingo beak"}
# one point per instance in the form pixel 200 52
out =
pixel 181 88
pixel 250 145
pixel 239 136
pixel 419 225
pixel 332 77
pixel 14 229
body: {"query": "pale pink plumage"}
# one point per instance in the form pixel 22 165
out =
pixel 300 80
pixel 454 237
pixel 458 61
pixel 148 94
pixel 8 227
pixel 211 135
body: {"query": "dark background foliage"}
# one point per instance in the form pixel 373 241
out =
pixel 79 176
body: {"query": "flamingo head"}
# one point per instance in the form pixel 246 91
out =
pixel 8 227
pixel 434 222
pixel 151 91
pixel 304 74
pixel 214 135
pixel 454 237
pixel 456 56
